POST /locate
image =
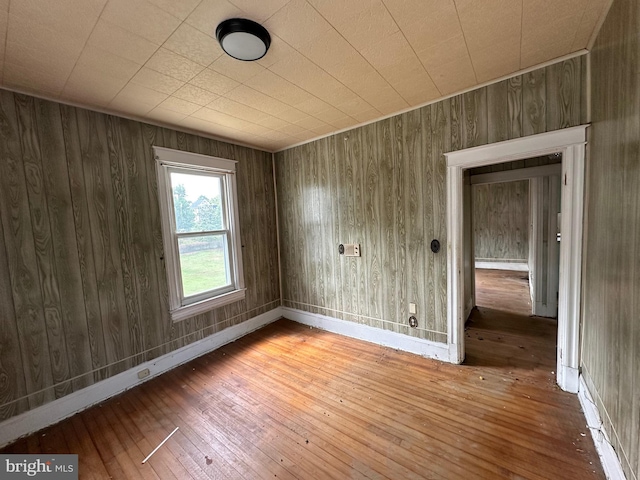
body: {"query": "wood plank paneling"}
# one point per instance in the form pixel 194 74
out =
pixel 444 132
pixel 372 212
pixel 45 258
pixel 564 83
pixel 611 302
pixel 476 126
pixel 20 250
pixel 12 387
pixel 388 221
pixel 514 106
pixel 534 104
pixel 498 124
pixel 84 247
pixel 415 208
pixel 63 235
pixel 383 176
pixel 501 221
pixel 104 235
pixel 83 285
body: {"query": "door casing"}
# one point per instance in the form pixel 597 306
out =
pixel 571 143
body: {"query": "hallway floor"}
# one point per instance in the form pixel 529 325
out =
pixel 502 332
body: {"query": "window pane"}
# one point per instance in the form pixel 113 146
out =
pixel 204 263
pixel 197 201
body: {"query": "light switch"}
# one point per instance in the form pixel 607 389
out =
pixel 412 309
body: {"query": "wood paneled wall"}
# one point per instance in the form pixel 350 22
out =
pixel 83 289
pixel 383 186
pixel 501 221
pixel 611 295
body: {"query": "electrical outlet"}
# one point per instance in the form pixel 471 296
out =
pixel 144 373
pixel 351 249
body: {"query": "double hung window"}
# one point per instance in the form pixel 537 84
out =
pixel 201 234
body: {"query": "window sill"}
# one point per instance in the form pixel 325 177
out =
pixel 188 311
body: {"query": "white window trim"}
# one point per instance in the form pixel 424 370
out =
pixel 176 158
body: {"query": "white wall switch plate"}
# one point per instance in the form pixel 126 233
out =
pixel 412 309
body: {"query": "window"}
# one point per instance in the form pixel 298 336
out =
pixel 200 229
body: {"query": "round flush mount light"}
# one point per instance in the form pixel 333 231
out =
pixel 243 39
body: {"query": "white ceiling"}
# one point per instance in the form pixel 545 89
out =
pixel 332 64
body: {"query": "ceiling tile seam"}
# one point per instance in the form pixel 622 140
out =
pixel 298 86
pixel 575 34
pixel 275 117
pixel 270 16
pixel 521 27
pixel 234 116
pixel 6 38
pixel 466 44
pixel 266 95
pixel 182 56
pixel 411 46
pixel 187 16
pixel 245 104
pixel 361 56
pixel 315 96
pixel 83 47
pixel 229 115
pixel 141 67
pixel 167 75
pixel 150 57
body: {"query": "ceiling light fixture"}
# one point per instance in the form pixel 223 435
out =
pixel 243 39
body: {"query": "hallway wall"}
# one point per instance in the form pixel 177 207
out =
pixel 501 222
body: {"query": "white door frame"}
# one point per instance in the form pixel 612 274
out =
pixel 570 142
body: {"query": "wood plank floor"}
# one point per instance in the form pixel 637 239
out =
pixel 291 402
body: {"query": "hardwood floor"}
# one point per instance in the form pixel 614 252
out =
pixel 503 290
pixel 293 402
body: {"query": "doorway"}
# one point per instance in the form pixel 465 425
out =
pixel 570 143
pixel 514 224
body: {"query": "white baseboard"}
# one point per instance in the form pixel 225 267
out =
pixel 426 348
pixel 569 379
pixel 516 267
pixel 544 310
pixel 608 457
pixel 53 412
